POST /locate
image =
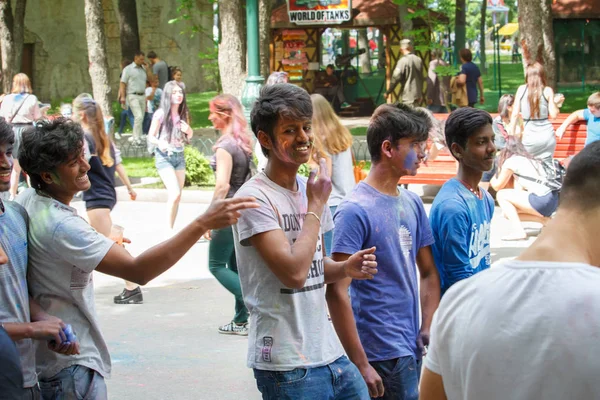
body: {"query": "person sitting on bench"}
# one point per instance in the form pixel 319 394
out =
pixel 329 86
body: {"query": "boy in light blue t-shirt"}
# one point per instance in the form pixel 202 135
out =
pixel 462 211
pixel 592 117
pixel 378 324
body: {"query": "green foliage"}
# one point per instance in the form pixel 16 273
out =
pixel 197 168
pixel 304 170
pixel 140 167
pixel 210 59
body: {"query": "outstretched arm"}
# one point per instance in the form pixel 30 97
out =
pixel 574 117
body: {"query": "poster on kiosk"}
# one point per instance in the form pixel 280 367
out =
pixel 327 12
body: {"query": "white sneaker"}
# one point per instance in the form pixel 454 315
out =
pixel 234 329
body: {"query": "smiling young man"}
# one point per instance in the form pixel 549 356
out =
pixel 21 317
pixel 64 250
pixel 379 323
pixel 462 212
pixel 282 265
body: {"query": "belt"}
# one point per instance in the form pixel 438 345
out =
pixel 137 94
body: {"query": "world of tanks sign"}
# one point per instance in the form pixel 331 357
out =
pixel 310 12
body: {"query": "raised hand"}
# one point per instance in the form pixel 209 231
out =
pixel 361 265
pixel 222 213
pixel 318 189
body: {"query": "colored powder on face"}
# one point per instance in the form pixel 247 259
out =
pixel 410 160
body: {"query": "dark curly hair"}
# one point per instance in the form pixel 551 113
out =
pixel 283 100
pixel 48 145
pixel 6 133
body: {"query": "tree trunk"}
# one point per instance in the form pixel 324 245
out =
pixel 232 49
pixel 264 36
pixel 128 24
pixel 406 23
pixel 364 59
pixel 482 65
pixel 7 45
pixel 97 57
pixel 548 35
pixel 460 31
pixel 539 19
pixel 19 33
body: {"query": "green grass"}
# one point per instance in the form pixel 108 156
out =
pixel 140 167
pixel 359 131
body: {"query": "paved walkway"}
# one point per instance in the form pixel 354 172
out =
pixel 169 348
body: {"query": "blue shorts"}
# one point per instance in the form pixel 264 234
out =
pixel 100 203
pixel 546 204
pixel 175 160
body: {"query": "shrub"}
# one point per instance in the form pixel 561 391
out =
pixel 197 168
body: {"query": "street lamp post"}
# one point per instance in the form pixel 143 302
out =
pixel 254 80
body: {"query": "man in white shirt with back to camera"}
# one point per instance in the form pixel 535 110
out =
pixel 528 328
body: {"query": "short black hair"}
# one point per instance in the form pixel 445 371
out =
pixel 581 187
pixel 395 122
pixel 330 66
pixel 463 123
pixel 48 145
pixel 277 101
pixel 152 55
pixel 7 135
pixel 139 53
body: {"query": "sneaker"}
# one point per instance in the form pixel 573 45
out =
pixel 234 329
pixel 345 105
pixel 118 136
pixel 130 296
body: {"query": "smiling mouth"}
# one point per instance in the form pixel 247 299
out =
pixel 4 174
pixel 302 148
pixel 83 178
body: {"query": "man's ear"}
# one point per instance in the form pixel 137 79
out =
pixel 264 140
pixel 386 148
pixel 456 150
pixel 47 177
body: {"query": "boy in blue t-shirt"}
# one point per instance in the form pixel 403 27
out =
pixel 591 115
pixel 462 212
pixel 378 324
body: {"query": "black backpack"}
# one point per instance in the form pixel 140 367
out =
pixel 555 175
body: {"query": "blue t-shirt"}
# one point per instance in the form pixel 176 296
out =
pixel 461 229
pixel 472 72
pixel 593 126
pixel 386 308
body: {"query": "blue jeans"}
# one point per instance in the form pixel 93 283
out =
pixel 400 377
pixel 175 160
pixel 339 380
pixel 74 382
pixel 328 236
pixel 126 115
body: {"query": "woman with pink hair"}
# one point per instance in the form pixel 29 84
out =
pixel 231 163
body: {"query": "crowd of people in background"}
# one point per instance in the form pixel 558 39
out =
pixel 345 287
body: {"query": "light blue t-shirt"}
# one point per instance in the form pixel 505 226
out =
pixel 593 126
pixel 386 308
pixel 461 229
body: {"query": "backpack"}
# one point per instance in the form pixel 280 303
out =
pixel 555 175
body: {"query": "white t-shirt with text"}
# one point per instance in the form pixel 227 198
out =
pixel 289 328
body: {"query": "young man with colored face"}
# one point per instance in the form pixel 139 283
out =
pixel 528 328
pixel 21 318
pixel 64 250
pixel 462 212
pixel 281 260
pixel 378 323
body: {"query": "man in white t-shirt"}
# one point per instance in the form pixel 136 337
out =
pixel 64 250
pixel 22 318
pixel 283 270
pixel 528 328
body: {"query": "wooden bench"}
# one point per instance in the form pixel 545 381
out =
pixel 443 168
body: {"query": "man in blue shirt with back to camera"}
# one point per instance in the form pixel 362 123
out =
pixel 462 212
pixel 378 324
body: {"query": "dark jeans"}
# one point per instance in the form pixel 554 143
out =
pixel 147 122
pixel 400 377
pixel 223 265
pixel 339 380
pixel 126 115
